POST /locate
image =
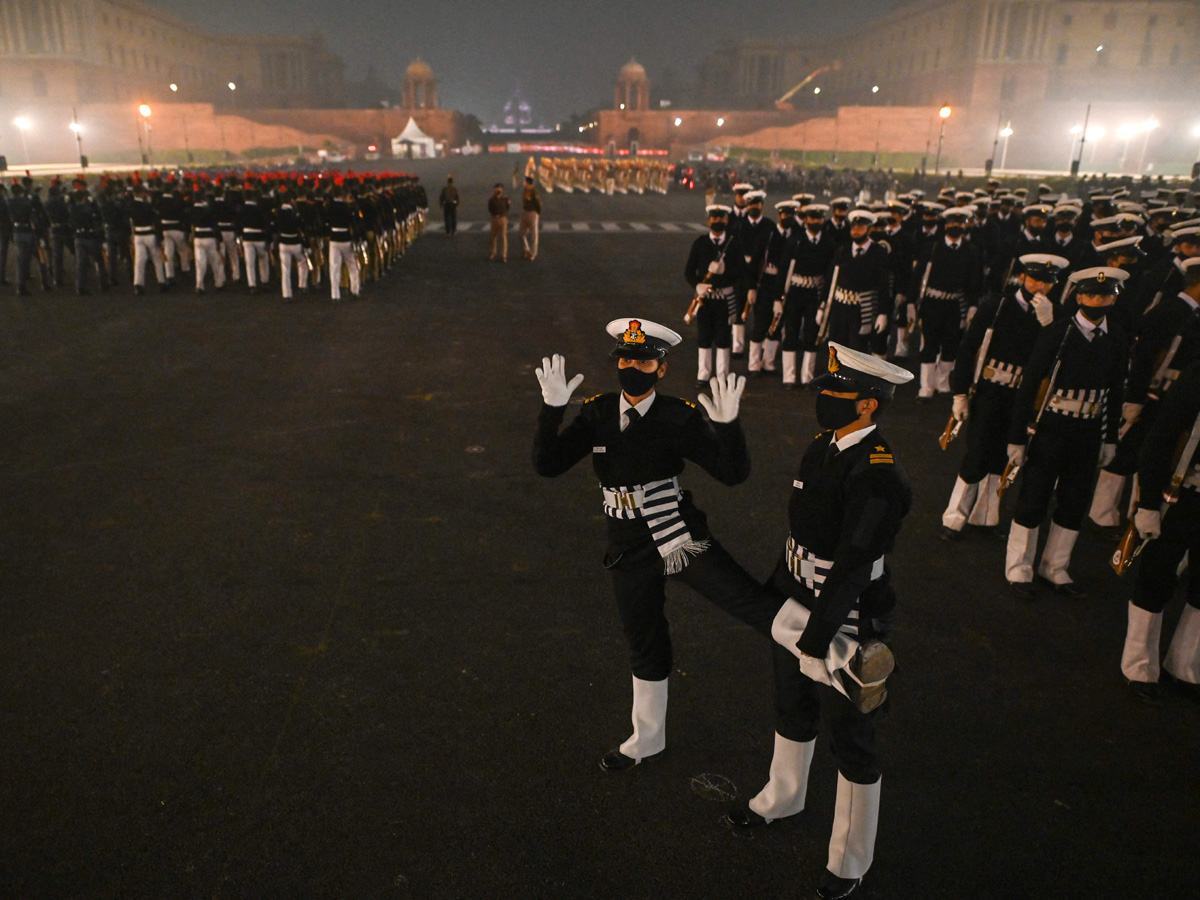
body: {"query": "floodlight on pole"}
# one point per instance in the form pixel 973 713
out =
pixel 944 113
pixel 23 125
pixel 720 122
pixel 174 87
pixel 78 129
pixel 1005 133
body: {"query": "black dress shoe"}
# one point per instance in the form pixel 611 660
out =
pixel 1145 692
pixel 616 761
pixel 790 386
pixel 742 816
pixel 1070 589
pixel 1022 589
pixel 1186 688
pixel 949 534
pixel 833 888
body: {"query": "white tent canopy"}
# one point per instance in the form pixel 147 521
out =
pixel 413 143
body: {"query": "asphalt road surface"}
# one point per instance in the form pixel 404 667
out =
pixel 287 613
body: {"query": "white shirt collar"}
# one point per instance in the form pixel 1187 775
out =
pixel 1088 327
pixel 853 438
pixel 1023 299
pixel 642 408
pixel 953 243
pixel 718 239
pixel 861 248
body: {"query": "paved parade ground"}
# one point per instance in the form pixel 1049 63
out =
pixel 287 613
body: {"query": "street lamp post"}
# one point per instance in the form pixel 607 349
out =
pixel 944 112
pixel 995 142
pixel 144 110
pixel 1083 134
pixel 1077 129
pixel 1006 134
pixel 23 124
pixel 78 129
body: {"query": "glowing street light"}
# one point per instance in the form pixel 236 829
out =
pixel 232 86
pixel 1075 131
pixel 944 113
pixel 816 90
pixel 678 121
pixel 1006 132
pixel 1099 47
pixel 144 112
pixel 144 109
pixel 875 89
pixel 1126 133
pixel 23 125
pixel 78 129
pixel 174 87
pixel 720 122
pixel 1146 127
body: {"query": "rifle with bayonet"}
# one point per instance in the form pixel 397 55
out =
pixel 698 300
pixel 1045 392
pixel 955 425
pixel 826 310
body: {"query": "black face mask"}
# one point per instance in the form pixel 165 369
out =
pixel 954 231
pixel 1093 313
pixel 835 412
pixel 1064 228
pixel 635 382
pixel 861 240
pixel 717 227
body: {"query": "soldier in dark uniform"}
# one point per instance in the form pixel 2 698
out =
pixel 1030 239
pixel 1157 245
pixel 812 253
pixel 1064 242
pixel 902 259
pixel 146 225
pixel 291 239
pixel 1103 231
pixel 861 298
pixel 1168 341
pixel 770 263
pixel 985 382
pixel 6 233
pixel 206 242
pixel 58 212
pixel 716 268
pixel 172 212
pixel 1168 516
pixel 114 211
pixel 639 442
pixel 838 225
pixel 254 228
pixel 1166 279
pixel 752 234
pixel 1082 361
pixel 948 298
pixel 225 207
pixel 846 507
pixel 24 221
pixel 88 229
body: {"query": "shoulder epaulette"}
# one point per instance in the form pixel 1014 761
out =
pixel 690 403
pixel 881 454
pixel 590 399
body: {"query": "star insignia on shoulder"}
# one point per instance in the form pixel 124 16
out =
pixel 879 448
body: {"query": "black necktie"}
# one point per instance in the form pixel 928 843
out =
pixel 632 416
pixel 831 452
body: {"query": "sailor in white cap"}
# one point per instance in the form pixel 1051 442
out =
pixel 808 271
pixel 1166 279
pixel 717 271
pixel 1077 368
pixel 751 231
pixel 771 270
pixel 947 282
pixel 859 302
pixel 986 375
pixel 1168 341
pixel 831 660
pixel 838 225
pixel 639 441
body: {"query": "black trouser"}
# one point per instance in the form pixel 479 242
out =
pixel 639 583
pixel 60 238
pixel 450 215
pixel 87 253
pixel 941 329
pixel 845 323
pixel 987 432
pixel 764 310
pixel 5 239
pixel 26 245
pixel 712 322
pixel 1156 578
pixel 118 253
pixel 1061 461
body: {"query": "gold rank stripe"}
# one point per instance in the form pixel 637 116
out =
pixel 882 458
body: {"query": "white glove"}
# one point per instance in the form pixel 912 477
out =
pixel 556 390
pixel 1148 523
pixel 959 407
pixel 881 323
pixel 751 295
pixel 1016 454
pixel 726 397
pixel 702 289
pixel 971 313
pixel 1043 308
pixel 777 308
pixel 716 267
pixel 1107 452
pixel 820 317
pixel 815 669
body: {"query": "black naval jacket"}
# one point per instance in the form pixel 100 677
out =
pixel 671 433
pixel 1171 427
pixel 1174 316
pixel 1095 365
pixel 705 250
pixel 1015 332
pixel 848 509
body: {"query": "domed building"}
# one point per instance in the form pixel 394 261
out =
pixel 633 87
pixel 420 87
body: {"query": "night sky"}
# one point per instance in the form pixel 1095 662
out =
pixel 564 56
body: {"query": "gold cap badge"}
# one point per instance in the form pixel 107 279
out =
pixel 633 334
pixel 834 365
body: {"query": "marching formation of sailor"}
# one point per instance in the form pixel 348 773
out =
pixel 252 228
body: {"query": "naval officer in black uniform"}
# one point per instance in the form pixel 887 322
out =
pixel 639 441
pixel 845 509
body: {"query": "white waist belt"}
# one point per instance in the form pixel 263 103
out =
pixel 626 502
pixel 1001 373
pixel 853 297
pixel 1084 409
pixel 943 295
pixel 812 282
pixel 811 570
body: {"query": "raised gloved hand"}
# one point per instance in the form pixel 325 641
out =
pixel 702 289
pixel 751 295
pixel 881 323
pixel 726 397
pixel 1148 523
pixel 1107 452
pixel 959 407
pixel 551 375
pixel 1016 454
pixel 777 308
pixel 716 267
pixel 1043 308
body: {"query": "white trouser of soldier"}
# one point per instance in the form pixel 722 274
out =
pixel 175 242
pixel 288 254
pixel 229 242
pixel 145 246
pixel 256 259
pixel 207 257
pixel 529 233
pixel 342 252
